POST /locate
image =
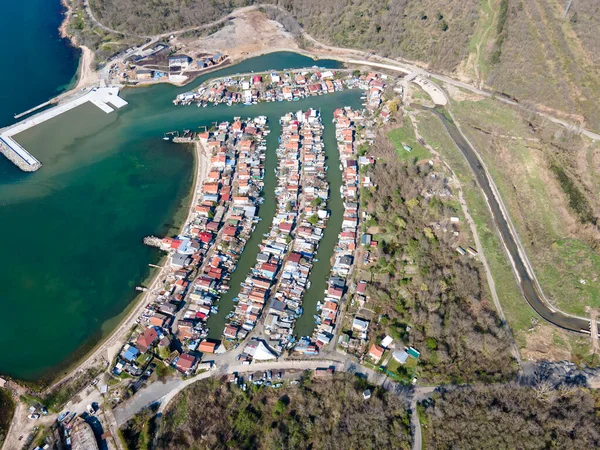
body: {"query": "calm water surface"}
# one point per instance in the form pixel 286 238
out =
pixel 72 232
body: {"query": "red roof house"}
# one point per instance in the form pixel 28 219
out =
pixel 146 339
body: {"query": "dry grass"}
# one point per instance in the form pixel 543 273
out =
pixel 549 61
pixel 562 249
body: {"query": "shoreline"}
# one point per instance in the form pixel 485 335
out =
pixel 113 339
pixel 109 341
pixel 88 75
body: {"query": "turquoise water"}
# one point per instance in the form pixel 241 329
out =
pixel 72 232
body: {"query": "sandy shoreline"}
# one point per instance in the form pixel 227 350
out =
pixel 86 72
pixel 202 162
pixel 113 342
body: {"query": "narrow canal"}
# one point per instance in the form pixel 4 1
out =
pixel 108 180
pixel 528 286
pixel 321 269
pixel 327 104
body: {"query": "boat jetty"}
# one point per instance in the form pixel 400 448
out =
pixel 281 86
pixel 104 98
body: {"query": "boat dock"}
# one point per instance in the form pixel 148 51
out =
pixel 35 108
pixel 105 98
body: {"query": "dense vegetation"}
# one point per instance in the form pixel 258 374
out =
pixel 513 416
pixel 317 414
pixel 530 51
pixel 103 43
pixel 577 200
pixel 7 409
pixel 435 31
pixel 161 16
pixel 545 59
pixel 420 281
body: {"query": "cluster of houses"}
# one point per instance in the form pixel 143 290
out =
pixel 136 69
pixel 374 84
pixel 346 120
pixel 283 264
pixel 226 216
pixel 302 195
pixel 283 86
pixel 203 256
pixel 179 63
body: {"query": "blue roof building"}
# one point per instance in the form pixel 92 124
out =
pixel 130 353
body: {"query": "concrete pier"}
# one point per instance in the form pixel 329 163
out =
pixel 35 108
pixel 104 98
pixel 18 155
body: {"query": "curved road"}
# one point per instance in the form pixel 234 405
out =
pixel 165 392
pixel 526 278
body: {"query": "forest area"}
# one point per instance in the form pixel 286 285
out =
pixel 315 414
pixel 427 294
pixel 542 57
pixel 512 416
pixel 434 31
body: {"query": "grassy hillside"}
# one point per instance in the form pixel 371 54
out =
pixel 326 414
pixel 550 194
pixel 541 58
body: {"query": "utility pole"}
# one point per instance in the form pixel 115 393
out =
pixel 567 9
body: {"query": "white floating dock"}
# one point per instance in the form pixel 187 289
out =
pixel 101 97
pixel 103 106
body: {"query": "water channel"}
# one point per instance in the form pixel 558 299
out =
pixel 73 230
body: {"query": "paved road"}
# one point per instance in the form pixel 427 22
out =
pixel 165 392
pixel 526 277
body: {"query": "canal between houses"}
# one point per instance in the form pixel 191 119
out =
pixel 319 274
pixel 107 181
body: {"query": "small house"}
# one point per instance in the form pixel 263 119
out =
pixel 181 61
pixel 401 356
pixel 375 353
pixel 146 339
pixel 207 347
pixel 185 363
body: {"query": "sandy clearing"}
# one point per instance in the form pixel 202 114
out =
pixel 87 73
pixel 248 33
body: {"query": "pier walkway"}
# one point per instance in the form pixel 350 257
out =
pixel 105 98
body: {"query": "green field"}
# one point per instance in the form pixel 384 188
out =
pixel 405 135
pixel 556 243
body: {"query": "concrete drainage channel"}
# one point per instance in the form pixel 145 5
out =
pixel 525 277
